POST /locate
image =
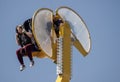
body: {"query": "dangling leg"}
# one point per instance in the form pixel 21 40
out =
pixel 29 53
pixel 20 58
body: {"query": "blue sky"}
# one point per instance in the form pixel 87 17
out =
pixel 101 65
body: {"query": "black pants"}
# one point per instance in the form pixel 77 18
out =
pixel 24 51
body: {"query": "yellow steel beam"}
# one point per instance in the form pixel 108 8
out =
pixel 54 44
pixel 65 32
pixel 78 45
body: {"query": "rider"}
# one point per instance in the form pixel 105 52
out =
pixel 23 39
pixel 27 25
pixel 57 21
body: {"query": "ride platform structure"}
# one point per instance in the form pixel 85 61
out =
pixel 72 32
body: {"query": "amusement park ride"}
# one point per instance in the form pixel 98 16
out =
pixel 73 32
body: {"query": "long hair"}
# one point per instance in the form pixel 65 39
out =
pixel 20 26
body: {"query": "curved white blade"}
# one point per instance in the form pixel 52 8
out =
pixel 42 24
pixel 77 25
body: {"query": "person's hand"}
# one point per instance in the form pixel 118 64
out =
pixel 23 31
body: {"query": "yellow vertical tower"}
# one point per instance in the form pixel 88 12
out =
pixel 65 74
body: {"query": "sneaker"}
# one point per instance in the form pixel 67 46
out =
pixel 22 67
pixel 31 63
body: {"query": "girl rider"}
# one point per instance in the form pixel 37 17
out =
pixel 23 39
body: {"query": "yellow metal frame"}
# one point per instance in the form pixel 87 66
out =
pixel 65 33
pixel 76 43
pixel 42 54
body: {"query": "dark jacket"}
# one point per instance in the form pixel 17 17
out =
pixel 24 39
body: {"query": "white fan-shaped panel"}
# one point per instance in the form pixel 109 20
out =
pixel 42 24
pixel 77 25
